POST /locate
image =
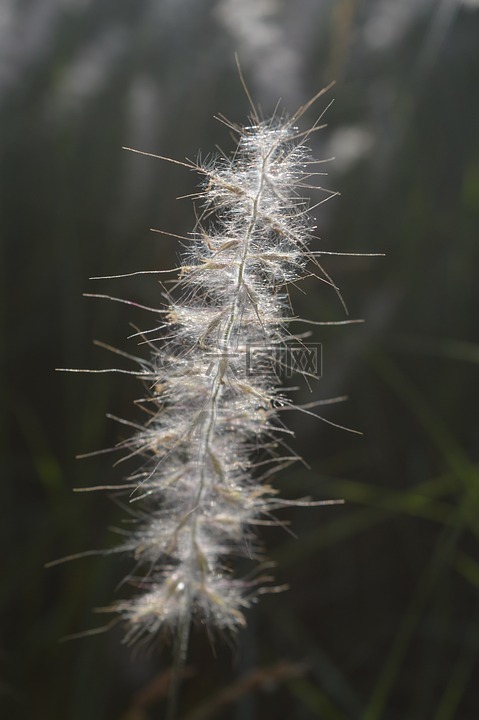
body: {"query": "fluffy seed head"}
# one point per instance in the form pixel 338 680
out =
pixel 214 417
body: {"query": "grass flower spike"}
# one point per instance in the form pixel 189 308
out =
pixel 214 433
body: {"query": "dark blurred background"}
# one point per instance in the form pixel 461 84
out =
pixel 381 621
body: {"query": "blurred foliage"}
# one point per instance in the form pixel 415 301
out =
pixel 383 611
